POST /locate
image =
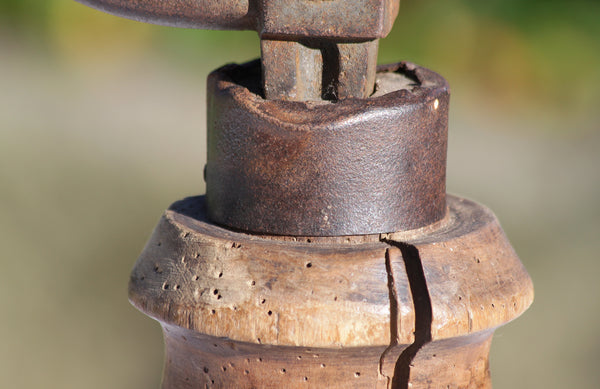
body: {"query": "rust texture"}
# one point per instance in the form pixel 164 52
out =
pixel 203 14
pixel 341 19
pixel 356 20
pixel 311 49
pixel 353 167
pixel 314 70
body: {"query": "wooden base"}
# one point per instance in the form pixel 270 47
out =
pixel 200 361
pixel 415 308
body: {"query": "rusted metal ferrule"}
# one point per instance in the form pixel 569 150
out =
pixel 351 167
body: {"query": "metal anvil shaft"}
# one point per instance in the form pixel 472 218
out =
pixel 311 49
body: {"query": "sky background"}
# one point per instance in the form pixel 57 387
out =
pixel 102 126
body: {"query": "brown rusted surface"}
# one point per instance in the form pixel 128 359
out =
pixel 401 310
pixel 339 19
pixel 339 38
pixel 349 168
pixel 311 48
pixel 203 14
pixel 291 71
pixel 273 19
pixel 356 73
pixel 315 70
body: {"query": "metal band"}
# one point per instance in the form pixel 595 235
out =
pixel 357 166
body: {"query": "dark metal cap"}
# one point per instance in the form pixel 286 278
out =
pixel 356 166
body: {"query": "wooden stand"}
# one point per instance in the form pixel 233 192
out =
pixel 314 140
pixel 413 309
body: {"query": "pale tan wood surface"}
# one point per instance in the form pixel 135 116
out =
pixel 372 311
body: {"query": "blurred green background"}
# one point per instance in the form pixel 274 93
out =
pixel 102 127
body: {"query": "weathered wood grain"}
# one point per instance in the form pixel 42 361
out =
pixel 415 308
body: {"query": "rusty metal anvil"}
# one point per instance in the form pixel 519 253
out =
pixel 311 49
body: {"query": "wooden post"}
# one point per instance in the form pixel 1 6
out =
pixel 326 253
pixel 396 310
pixel 414 308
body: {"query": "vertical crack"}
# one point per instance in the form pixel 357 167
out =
pixel 394 310
pixel 422 306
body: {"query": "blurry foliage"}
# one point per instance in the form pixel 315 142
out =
pixel 78 34
pixel 544 52
pixel 539 51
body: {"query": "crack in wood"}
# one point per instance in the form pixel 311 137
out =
pixel 394 310
pixel 422 306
